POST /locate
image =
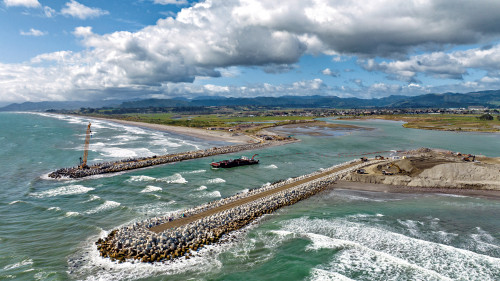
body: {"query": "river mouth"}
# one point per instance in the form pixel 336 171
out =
pixel 318 129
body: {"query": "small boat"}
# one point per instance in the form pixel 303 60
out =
pixel 235 162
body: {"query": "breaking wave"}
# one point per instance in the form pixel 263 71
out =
pixel 216 180
pixel 175 178
pixel 151 188
pixel 105 206
pixel 63 190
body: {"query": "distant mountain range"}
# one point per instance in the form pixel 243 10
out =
pixel 58 105
pixel 489 99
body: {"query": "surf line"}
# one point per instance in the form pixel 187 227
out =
pixel 181 235
pixel 137 163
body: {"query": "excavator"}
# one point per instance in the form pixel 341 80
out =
pixel 387 173
pixel 83 162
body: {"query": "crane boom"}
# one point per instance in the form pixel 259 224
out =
pixel 86 148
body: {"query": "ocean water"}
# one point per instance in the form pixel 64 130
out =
pixel 48 227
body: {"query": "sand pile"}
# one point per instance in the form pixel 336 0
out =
pixel 428 169
pixel 460 175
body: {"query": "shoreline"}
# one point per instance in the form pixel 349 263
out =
pixel 378 187
pixel 203 134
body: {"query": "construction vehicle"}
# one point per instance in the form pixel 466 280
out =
pixel 364 159
pixel 469 158
pixel 83 162
pixel 389 166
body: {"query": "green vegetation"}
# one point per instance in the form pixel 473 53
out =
pixel 447 122
pixel 205 121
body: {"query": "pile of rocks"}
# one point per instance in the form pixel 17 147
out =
pixel 138 242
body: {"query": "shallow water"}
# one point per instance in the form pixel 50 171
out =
pixel 47 227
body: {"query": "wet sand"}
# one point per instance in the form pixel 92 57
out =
pixel 495 194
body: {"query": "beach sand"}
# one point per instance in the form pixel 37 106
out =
pixel 215 135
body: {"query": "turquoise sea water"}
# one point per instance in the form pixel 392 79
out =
pixel 48 227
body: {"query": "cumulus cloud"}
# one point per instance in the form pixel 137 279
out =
pixel 33 32
pixel 48 11
pixel 452 65
pixel 77 10
pixel 329 72
pixel 22 3
pixel 299 88
pixel 214 34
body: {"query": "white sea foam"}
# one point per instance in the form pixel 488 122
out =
pixel 157 208
pixel 383 254
pixel 16 202
pixel 201 187
pixel 54 209
pixel 216 180
pixel 272 166
pixel 411 226
pixel 352 197
pixel 63 190
pixel 105 206
pixel 134 130
pixel 194 172
pixel 175 178
pixel 118 152
pixel 215 193
pixel 151 188
pixel 164 141
pixel 93 198
pixel 127 138
pixel 71 214
pixel 141 178
pixel 318 274
pixel 282 233
pixel 19 264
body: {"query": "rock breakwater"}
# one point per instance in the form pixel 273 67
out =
pixel 137 163
pixel 180 235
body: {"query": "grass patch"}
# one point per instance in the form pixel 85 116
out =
pixel 446 122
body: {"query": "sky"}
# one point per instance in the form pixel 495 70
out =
pixel 62 50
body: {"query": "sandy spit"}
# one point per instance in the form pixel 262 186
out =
pixel 186 131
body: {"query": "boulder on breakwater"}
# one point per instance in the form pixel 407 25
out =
pixel 139 242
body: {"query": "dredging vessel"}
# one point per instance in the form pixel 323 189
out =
pixel 235 162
